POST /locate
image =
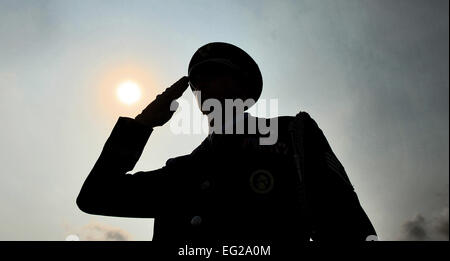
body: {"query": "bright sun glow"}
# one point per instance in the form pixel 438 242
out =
pixel 128 92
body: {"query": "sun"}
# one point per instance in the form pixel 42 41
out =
pixel 128 92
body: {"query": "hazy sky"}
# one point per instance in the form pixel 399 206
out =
pixel 372 73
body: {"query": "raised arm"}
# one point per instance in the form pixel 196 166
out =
pixel 108 189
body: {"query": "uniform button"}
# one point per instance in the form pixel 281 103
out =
pixel 196 220
pixel 205 185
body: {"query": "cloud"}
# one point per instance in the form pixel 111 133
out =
pixel 420 228
pixel 96 231
pixel 441 224
pixel 415 228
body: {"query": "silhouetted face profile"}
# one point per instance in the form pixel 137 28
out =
pixel 217 81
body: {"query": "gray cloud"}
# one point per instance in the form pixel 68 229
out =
pixel 441 224
pixel 96 231
pixel 116 236
pixel 415 228
pixel 420 228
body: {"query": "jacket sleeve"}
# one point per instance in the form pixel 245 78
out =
pixel 109 190
pixel 336 211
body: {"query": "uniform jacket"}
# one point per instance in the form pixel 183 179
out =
pixel 229 187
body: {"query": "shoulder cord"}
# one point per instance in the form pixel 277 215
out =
pixel 296 131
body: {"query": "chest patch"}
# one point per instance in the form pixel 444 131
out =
pixel 261 181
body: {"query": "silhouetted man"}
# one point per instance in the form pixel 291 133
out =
pixel 231 186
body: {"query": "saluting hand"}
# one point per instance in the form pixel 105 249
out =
pixel 158 112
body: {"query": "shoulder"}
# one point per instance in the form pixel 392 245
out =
pixel 306 119
pixel 286 120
